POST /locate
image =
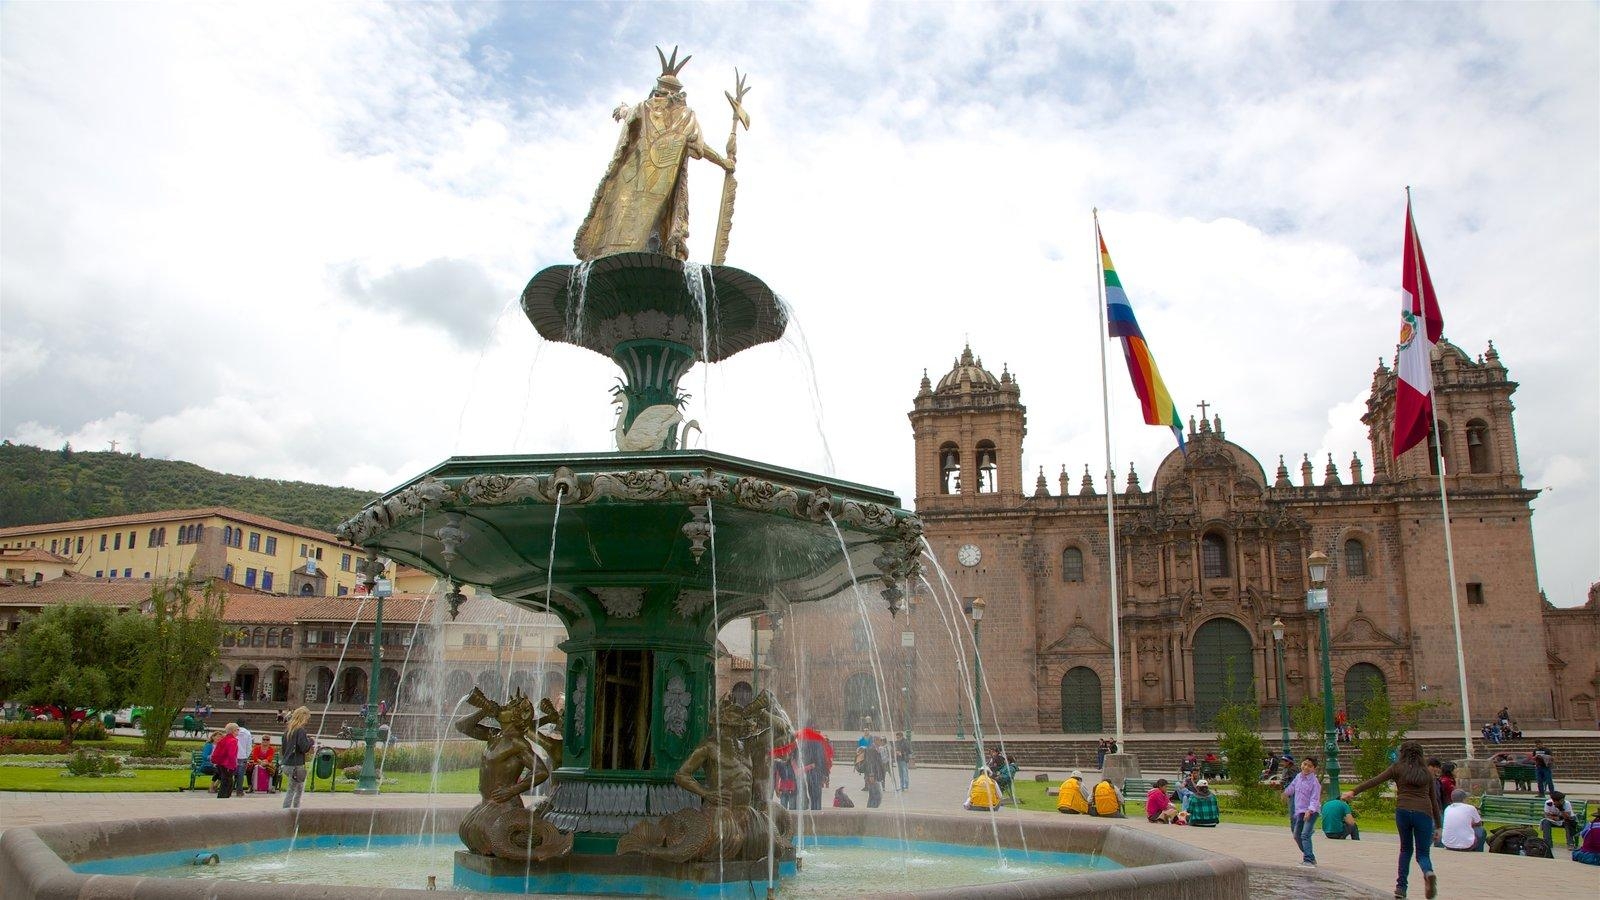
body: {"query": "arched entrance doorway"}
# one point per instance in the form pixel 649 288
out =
pixel 860 701
pixel 1362 682
pixel 278 684
pixel 1080 701
pixel 353 686
pixel 1223 669
pixel 388 685
pixel 458 685
pixel 246 682
pixel 318 685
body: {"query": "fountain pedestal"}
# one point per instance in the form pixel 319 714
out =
pixel 1120 766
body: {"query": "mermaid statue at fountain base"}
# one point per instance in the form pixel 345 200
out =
pixel 500 826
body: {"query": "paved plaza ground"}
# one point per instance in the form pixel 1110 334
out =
pixel 1369 863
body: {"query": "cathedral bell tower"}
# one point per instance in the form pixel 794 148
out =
pixel 1473 405
pixel 969 432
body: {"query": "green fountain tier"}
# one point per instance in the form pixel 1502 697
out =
pixel 653 552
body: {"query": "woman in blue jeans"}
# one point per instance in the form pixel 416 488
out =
pixel 1416 813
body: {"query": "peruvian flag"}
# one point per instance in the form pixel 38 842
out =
pixel 1421 326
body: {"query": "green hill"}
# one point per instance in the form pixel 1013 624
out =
pixel 39 485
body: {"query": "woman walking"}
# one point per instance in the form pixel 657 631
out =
pixel 296 745
pixel 1416 812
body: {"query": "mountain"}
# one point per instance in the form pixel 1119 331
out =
pixel 38 485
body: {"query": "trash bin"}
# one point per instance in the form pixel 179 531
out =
pixel 325 763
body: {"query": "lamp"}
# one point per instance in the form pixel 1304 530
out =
pixel 1317 567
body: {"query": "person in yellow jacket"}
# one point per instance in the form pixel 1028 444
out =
pixel 1072 798
pixel 985 793
pixel 1107 802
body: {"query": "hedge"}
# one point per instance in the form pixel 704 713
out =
pixel 88 730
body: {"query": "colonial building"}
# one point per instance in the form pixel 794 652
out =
pixel 1209 555
pixel 218 542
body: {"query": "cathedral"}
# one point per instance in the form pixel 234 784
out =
pixel 1209 557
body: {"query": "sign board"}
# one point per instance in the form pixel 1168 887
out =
pixel 1317 598
pixel 384 588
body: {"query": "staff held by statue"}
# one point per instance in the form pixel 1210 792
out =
pixel 730 185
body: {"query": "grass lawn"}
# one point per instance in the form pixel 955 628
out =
pixel 1033 798
pixel 12 778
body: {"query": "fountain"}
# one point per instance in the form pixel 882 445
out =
pixel 651 784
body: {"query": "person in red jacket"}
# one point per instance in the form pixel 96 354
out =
pixel 225 756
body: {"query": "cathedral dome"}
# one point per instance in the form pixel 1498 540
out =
pixel 966 370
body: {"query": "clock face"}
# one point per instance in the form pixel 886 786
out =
pixel 969 555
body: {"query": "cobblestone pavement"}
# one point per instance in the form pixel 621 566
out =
pixel 1369 863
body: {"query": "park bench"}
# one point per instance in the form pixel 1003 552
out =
pixel 199 765
pixel 1523 810
pixel 1214 771
pixel 1518 775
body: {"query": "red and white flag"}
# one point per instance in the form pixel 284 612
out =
pixel 1421 326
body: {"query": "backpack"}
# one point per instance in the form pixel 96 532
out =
pixel 1510 839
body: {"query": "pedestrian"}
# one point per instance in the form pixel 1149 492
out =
pixel 816 765
pixel 225 756
pixel 1100 758
pixel 873 771
pixel 297 744
pixel 207 767
pixel 383 708
pixel 1588 852
pixel 1544 768
pixel 783 778
pixel 902 760
pixel 1558 814
pixel 263 765
pixel 1305 804
pixel 246 744
pixel 1106 801
pixel 1416 813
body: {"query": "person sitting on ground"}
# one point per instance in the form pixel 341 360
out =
pixel 1072 799
pixel 1588 851
pixel 1463 825
pixel 1157 805
pixel 1339 821
pixel 1186 788
pixel 1558 814
pixel 1106 801
pixel 1201 810
pixel 984 794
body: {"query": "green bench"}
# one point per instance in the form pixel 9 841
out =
pixel 1523 810
pixel 1517 775
pixel 1136 788
pixel 1211 771
pixel 199 765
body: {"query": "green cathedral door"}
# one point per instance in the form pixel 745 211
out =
pixel 1362 682
pixel 1223 669
pixel 1080 701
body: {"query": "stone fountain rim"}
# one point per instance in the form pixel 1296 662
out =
pixel 32 860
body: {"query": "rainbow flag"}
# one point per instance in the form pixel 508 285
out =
pixel 1121 323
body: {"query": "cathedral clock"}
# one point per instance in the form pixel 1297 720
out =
pixel 969 555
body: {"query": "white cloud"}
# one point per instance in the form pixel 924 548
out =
pixel 184 186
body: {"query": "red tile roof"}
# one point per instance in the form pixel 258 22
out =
pixel 123 593
pixel 171 515
pixel 32 554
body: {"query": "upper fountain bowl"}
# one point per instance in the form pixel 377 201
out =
pixel 650 296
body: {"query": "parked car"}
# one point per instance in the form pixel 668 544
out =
pixel 128 717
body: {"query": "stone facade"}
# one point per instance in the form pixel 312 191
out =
pixel 1208 556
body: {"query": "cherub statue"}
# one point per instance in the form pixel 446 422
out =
pixel 511 766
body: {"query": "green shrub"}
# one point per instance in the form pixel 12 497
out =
pixel 90 730
pixel 417 756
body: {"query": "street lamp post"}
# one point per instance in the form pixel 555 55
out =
pixel 908 648
pixel 1283 701
pixel 371 572
pixel 1317 599
pixel 976 609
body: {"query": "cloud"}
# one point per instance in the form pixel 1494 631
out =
pixel 287 242
pixel 456 294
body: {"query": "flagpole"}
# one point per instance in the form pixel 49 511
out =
pixel 1444 497
pixel 1111 515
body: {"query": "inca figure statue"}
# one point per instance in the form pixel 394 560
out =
pixel 642 203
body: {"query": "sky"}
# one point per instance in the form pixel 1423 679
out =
pixel 287 240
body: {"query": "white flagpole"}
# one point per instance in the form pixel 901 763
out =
pixel 1111 515
pixel 1444 497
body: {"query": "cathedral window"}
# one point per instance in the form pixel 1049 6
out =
pixel 949 469
pixel 1478 447
pixel 987 468
pixel 1072 564
pixel 1214 556
pixel 1355 558
pixel 1474 593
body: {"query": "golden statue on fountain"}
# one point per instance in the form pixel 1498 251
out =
pixel 512 766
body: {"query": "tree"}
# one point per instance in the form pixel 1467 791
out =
pixel 76 657
pixel 1306 717
pixel 1239 737
pixel 180 645
pixel 1380 729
